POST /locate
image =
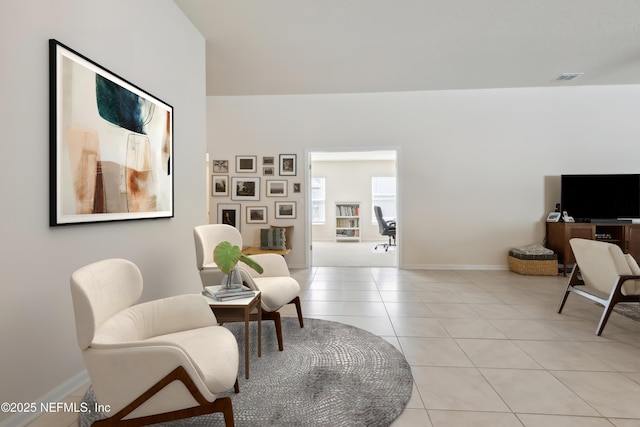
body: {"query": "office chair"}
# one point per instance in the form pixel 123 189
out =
pixel 386 228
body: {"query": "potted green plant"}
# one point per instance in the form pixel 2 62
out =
pixel 226 256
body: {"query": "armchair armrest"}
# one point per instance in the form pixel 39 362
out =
pixel 110 369
pixel 629 288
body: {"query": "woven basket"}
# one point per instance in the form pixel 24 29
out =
pixel 534 267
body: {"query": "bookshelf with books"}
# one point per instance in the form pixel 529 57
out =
pixel 347 221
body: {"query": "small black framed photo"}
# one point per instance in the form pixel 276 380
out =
pixel 245 188
pixel 256 214
pixel 285 210
pixel 246 164
pixel 288 165
pixel 229 213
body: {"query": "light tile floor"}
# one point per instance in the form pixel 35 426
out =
pixel 486 348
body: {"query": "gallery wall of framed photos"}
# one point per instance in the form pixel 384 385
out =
pixel 252 189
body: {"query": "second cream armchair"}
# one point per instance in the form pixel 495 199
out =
pixel 276 286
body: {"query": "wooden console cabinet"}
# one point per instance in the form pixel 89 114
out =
pixel 627 236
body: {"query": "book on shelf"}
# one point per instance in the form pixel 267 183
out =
pixel 225 294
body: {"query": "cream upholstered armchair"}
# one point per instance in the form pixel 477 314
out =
pixel 137 355
pixel 277 287
pixel 603 274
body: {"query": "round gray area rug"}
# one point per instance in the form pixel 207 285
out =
pixel 329 374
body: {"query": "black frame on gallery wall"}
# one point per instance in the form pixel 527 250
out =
pixel 110 145
pixel 256 215
pixel 285 210
pixel 229 213
pixel 288 165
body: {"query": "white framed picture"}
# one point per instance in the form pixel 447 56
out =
pixel 256 214
pixel 276 188
pixel 268 161
pixel 285 210
pixel 219 185
pixel 245 188
pixel 268 171
pixel 220 166
pixel 246 164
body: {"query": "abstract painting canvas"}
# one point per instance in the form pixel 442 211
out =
pixel 111 145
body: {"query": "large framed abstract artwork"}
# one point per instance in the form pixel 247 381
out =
pixel 111 145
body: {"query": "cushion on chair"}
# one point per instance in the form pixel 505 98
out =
pixel 272 239
pixel 154 318
pixel 276 291
pixel 535 251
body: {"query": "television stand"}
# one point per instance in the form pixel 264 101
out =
pixel 624 234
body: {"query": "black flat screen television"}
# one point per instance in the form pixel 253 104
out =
pixel 589 198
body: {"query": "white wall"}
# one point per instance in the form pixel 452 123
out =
pixel 350 181
pixel 477 170
pixel 151 44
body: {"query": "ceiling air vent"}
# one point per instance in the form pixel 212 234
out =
pixel 568 76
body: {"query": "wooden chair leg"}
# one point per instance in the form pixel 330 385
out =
pixel 275 316
pixel 573 280
pixel 296 301
pixel 605 316
pixel 615 297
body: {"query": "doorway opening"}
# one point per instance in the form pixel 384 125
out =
pixel 343 188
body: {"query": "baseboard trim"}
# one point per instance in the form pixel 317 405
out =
pixel 452 267
pixel 58 394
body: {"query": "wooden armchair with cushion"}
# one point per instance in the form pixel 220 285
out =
pixel 603 274
pixel 152 362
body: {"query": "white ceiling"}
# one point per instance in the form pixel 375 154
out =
pixel 257 47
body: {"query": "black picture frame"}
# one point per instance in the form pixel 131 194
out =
pixel 229 213
pixel 111 145
pixel 288 165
